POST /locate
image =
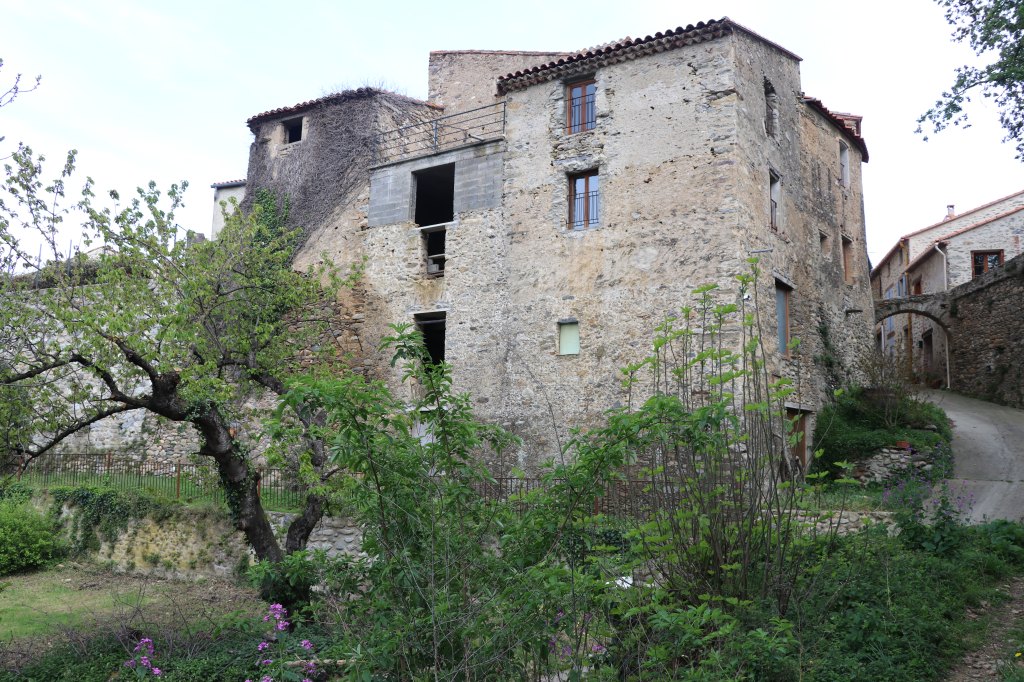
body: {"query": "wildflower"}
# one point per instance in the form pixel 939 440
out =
pixel 266 678
pixel 282 625
pixel 267 661
pixel 262 646
pixel 307 645
pixel 157 672
pixel 597 648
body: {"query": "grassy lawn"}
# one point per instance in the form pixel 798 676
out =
pixel 41 610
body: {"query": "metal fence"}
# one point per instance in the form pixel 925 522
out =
pixel 442 133
pixel 186 481
pixel 195 482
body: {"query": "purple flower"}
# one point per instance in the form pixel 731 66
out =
pixel 266 678
pixel 597 648
pixel 262 646
pixel 145 662
pixel 268 661
pixel 306 644
pixel 129 664
pixel 157 672
pixel 282 625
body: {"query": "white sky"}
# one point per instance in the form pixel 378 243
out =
pixel 161 91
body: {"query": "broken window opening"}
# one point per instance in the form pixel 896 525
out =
pixel 782 300
pixel 847 260
pixel 435 195
pixel 432 327
pixel 433 243
pixel 771 109
pixel 775 200
pixel 292 130
pixel 844 164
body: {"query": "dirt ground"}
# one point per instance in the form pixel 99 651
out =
pixel 74 603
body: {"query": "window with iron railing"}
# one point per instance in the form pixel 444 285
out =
pixel 580 114
pixel 584 200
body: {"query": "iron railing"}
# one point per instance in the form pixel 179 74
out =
pixel 186 481
pixel 442 133
pixel 197 482
pixel 584 210
pixel 582 114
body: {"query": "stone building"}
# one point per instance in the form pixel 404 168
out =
pixel 542 213
pixel 938 258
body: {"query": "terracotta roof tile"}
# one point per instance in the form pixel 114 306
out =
pixel 228 183
pixel 849 124
pixel 628 48
pixel 359 93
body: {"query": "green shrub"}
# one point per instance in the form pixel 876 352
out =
pixel 853 427
pixel 27 538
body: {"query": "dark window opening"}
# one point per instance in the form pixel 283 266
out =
pixel 584 200
pixel 580 114
pixel 431 325
pixel 292 130
pixel 983 261
pixel 771 109
pixel 782 301
pixel 433 241
pixel 847 261
pixel 774 199
pixel 435 195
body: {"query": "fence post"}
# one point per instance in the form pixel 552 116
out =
pixel 259 484
pixel 177 482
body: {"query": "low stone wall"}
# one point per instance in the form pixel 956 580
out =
pixel 198 543
pixel 892 462
pixel 987 350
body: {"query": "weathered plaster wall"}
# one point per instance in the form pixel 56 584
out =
pixel 460 80
pixel 224 195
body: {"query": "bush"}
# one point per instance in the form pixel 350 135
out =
pixel 27 538
pixel 855 426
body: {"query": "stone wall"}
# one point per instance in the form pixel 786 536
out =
pixel 987 347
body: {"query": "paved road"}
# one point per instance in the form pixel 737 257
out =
pixel 988 444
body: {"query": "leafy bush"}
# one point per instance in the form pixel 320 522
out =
pixel 27 538
pixel 854 426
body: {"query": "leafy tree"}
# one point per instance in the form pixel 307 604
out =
pixel 995 30
pixel 161 321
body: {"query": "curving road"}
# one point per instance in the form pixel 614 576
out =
pixel 988 447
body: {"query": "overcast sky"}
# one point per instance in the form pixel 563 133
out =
pixel 161 91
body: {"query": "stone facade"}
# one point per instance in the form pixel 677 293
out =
pixel 686 159
pixel 987 354
pixel 938 258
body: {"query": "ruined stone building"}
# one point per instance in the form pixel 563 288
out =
pixel 542 213
pixel 947 254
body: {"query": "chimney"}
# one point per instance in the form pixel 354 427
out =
pixel 950 211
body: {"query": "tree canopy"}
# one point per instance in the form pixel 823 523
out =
pixel 995 31
pixel 159 320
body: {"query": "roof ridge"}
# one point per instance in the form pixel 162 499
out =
pixel 341 95
pixel 662 40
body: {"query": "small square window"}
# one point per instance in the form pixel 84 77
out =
pixel 292 130
pixel 983 261
pixel 579 100
pixel 584 200
pixel 568 338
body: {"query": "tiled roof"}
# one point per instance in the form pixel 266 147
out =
pixel 358 93
pixel 228 183
pixel 629 48
pixel 848 124
pixel 973 226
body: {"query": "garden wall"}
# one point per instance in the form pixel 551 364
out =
pixel 987 351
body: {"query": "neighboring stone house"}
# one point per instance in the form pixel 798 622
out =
pixel 223 193
pixel 544 212
pixel 938 258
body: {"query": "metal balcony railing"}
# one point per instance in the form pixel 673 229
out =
pixel 584 210
pixel 442 133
